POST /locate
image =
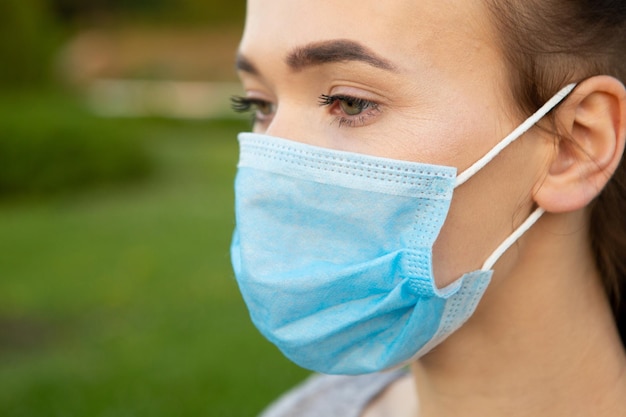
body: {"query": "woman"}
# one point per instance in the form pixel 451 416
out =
pixel 382 219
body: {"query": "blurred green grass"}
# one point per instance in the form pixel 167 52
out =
pixel 51 144
pixel 120 301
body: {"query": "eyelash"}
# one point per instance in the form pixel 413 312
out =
pixel 366 109
pixel 262 109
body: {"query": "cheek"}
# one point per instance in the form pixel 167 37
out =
pixel 454 125
pixel 487 209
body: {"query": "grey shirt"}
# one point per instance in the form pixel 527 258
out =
pixel 332 395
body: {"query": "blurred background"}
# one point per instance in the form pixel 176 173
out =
pixel 117 156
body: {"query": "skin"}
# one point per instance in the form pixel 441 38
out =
pixel 542 341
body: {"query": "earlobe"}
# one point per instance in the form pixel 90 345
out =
pixel 591 134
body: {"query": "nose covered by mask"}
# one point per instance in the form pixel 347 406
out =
pixel 333 252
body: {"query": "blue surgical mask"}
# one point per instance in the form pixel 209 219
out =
pixel 333 252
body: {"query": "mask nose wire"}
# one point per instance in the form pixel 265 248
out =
pixel 478 165
pixel 519 131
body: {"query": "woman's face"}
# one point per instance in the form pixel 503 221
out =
pixel 414 80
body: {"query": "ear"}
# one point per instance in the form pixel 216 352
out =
pixel 592 126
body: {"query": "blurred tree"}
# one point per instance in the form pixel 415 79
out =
pixel 76 10
pixel 211 11
pixel 197 12
pixel 28 39
pixel 30 29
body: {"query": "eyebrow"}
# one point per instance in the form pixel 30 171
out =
pixel 341 50
pixel 243 64
pixel 320 53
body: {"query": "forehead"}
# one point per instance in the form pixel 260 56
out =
pixel 439 34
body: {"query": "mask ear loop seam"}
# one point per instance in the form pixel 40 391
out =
pixel 519 131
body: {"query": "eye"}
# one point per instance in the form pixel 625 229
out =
pixel 262 109
pixel 352 106
pixel 351 111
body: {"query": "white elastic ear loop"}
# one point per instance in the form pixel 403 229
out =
pixel 517 233
pixel 519 131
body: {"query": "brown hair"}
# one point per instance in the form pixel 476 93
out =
pixel 547 44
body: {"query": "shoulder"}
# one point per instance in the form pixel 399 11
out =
pixel 332 395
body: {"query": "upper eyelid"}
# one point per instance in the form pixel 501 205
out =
pixel 358 91
pixel 252 82
pixel 254 91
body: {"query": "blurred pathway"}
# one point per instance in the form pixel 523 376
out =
pixel 164 72
pixel 173 99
